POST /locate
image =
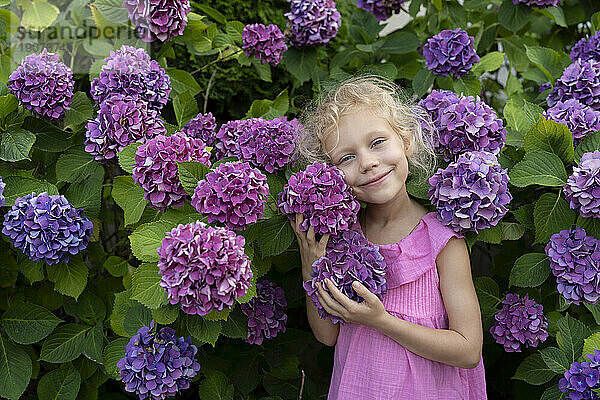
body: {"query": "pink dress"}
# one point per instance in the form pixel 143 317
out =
pixel 370 366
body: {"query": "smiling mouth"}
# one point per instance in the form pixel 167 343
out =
pixel 376 181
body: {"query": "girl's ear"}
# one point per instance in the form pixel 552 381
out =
pixel 408 146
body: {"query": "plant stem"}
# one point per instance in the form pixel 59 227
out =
pixel 218 59
pixel 208 89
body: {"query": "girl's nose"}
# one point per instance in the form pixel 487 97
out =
pixel 369 163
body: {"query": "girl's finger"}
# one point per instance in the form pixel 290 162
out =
pixel 340 297
pixel 323 242
pixel 326 300
pixel 310 234
pixel 329 309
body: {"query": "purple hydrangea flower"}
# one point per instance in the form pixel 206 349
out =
pixel 203 268
pixel 158 19
pixel 121 121
pixel 226 141
pixel 381 9
pixel 158 364
pixel 471 193
pixel 579 381
pixel 47 227
pixel 588 48
pixel 581 81
pixel 520 322
pixel 450 52
pixel 582 189
pixel 581 120
pixel 267 144
pixel 266 313
pixel 464 123
pixel 348 257
pixel 43 84
pixel 234 194
pixel 575 261
pixel 538 3
pixel 2 198
pixel 265 43
pixel 155 168
pixel 202 126
pixel 544 86
pixel 131 72
pixel 312 22
pixel 322 196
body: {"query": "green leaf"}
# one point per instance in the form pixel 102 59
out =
pixel 88 193
pixel 422 81
pixel 490 62
pixel 250 292
pixel 551 62
pixel 595 22
pixel 32 270
pixel 39 15
pixel 534 371
pixel 185 108
pixel 202 329
pixel 190 173
pixel 555 359
pixel 65 344
pixel 521 116
pixel 48 137
pixel 15 369
pixel 147 238
pixel 136 317
pixel 573 333
pixel 182 81
pixel 530 270
pixel 8 104
pixel 514 47
pixel 512 231
pixel 236 326
pixel 93 344
pixel 76 165
pixel 492 234
pixel 551 215
pixel 539 168
pixel 552 393
pixel 555 13
pixel 113 352
pixel 589 144
pixel 547 135
pixel 127 157
pixel 166 314
pixel 513 17
pixel 595 310
pixel 216 386
pixel 17 186
pixel 112 10
pixel 468 85
pixel 400 42
pixel 28 323
pixel 80 112
pixel 263 70
pixel 590 344
pixel 146 287
pixel 119 311
pixel 275 236
pixel 116 266
pixel 16 144
pixel 211 12
pixel 487 292
pixel 590 225
pixel 130 197
pixel 71 278
pixel 89 308
pixel 59 384
pixel 215 315
pixel 300 62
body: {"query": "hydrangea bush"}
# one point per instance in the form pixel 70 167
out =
pixel 450 52
pixel 266 313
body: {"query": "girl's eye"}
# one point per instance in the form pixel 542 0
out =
pixel 344 159
pixel 376 142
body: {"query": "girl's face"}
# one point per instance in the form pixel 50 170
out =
pixel 371 155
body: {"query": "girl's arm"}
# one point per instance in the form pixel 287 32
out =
pixel 459 345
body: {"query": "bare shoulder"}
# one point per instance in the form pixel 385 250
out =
pixel 454 257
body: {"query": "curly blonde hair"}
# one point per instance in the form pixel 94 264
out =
pixel 385 99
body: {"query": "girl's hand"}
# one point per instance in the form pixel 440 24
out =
pixel 370 312
pixel 310 249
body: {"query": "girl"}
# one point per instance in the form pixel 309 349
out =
pixel 423 339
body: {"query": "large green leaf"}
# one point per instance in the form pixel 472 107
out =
pixel 204 330
pixel 80 112
pixel 190 173
pixel 530 270
pixel 573 333
pixel 89 308
pixel 60 384
pixel 551 62
pixel 182 81
pixel 17 186
pixel 489 62
pixel 521 117
pixel 69 278
pixel 113 352
pixel 400 42
pixel 39 15
pixel 94 343
pixel 64 344
pixel 589 144
pixel 147 238
pixel 488 292
pixel 15 369
pixel 146 287
pixel 300 62
pixel 534 371
pixel 76 165
pixel 236 326
pixel 590 344
pixel 127 157
pixel 49 137
pixel 551 215
pixel 555 359
pixel 553 393
pixel 8 104
pixel 550 136
pixel 87 194
pixel 513 17
pixel 112 10
pixel 130 197
pixel 185 108
pixel 275 235
pixel 216 386
pixel 27 323
pixel 119 312
pixel 166 314
pixel 136 317
pixel 539 168
pixel 16 144
pixel 422 81
pixel 469 85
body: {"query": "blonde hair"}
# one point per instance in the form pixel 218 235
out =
pixel 381 96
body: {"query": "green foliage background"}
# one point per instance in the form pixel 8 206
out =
pixel 63 327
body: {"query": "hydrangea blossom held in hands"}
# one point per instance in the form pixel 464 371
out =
pixel 538 3
pixel 464 123
pixel 587 48
pixel 156 170
pixel 581 81
pixel 471 193
pixel 581 120
pixel 575 262
pixel 158 19
pixel 264 43
pixel 43 84
pixel 381 9
pixel 450 52
pixel 312 22
pixel 580 380
pixel 203 268
pixel 520 323
pixel 322 196
pixel 2 198
pixel 130 72
pixel 202 126
pixel 348 257
pixel 47 227
pixel 121 121
pixel 233 194
pixel 158 364
pixel 266 313
pixel 582 189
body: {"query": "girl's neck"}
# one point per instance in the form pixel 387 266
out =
pixel 401 209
